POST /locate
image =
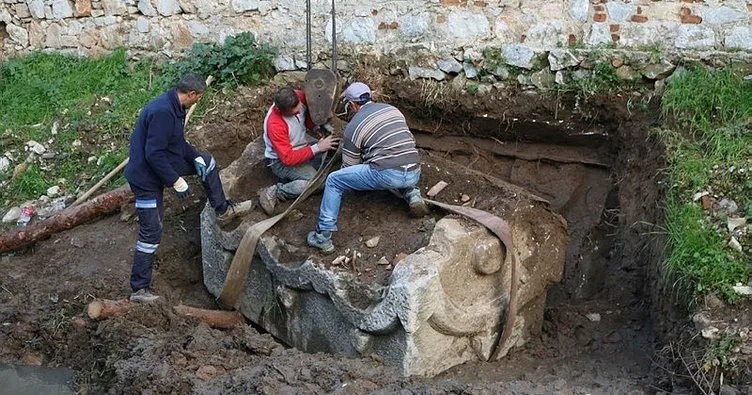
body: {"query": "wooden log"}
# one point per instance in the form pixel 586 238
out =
pixel 214 318
pixel 101 309
pixel 71 217
pixel 106 308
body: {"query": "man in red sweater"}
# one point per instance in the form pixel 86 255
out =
pixel 289 151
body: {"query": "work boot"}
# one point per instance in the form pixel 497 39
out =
pixel 321 240
pixel 235 210
pixel 418 207
pixel 144 295
pixel 268 199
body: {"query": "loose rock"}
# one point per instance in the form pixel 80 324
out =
pixel 711 332
pixel 436 189
pixel 743 290
pixel 733 223
pixel 595 317
pixel 339 260
pixel 464 198
pixel 4 164
pixel 373 242
pixel 206 372
pixel 35 147
pixel 53 191
pixel 697 196
pixel 734 243
pixel 728 205
pixel 12 215
pixel 77 242
pixel 383 261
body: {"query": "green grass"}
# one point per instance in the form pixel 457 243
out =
pixel 709 115
pixel 39 90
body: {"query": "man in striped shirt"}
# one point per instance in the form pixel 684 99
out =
pixel 378 153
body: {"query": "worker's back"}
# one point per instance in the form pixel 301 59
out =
pixel 378 135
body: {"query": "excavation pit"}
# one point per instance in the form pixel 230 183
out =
pixel 445 302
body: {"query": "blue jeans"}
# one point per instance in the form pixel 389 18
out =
pixel 363 178
pixel 150 209
pixel 294 178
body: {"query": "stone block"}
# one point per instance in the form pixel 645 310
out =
pixel 694 37
pixel 36 8
pixel 114 7
pixel 414 25
pixel 83 8
pixel 142 24
pixel 626 73
pixel 5 15
pixel 519 55
pixel 197 28
pixel 18 34
pixel 182 38
pixel 424 72
pixel 600 33
pixel 168 7
pixel 544 35
pixel 147 8
pixel 657 71
pixel 722 15
pixel 739 37
pixel 284 63
pixel 61 9
pixel 449 65
pixel 361 30
pixel 465 24
pixel 87 39
pixel 620 12
pixel 52 38
pixel 542 79
pixel 21 11
pixel 187 6
pixel 245 5
pixel 561 58
pixel 443 304
pixel 470 70
pixel 36 35
pixel 579 9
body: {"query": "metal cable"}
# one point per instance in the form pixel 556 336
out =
pixel 334 40
pixel 308 34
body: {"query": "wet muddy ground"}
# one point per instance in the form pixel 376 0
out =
pixel 598 172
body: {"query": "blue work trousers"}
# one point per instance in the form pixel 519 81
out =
pixel 150 209
pixel 363 177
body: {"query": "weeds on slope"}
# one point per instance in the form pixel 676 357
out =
pixel 709 152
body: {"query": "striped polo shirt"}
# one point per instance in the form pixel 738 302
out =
pixel 378 135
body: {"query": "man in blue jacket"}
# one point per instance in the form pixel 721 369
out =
pixel 159 158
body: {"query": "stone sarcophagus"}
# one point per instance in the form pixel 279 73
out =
pixel 442 305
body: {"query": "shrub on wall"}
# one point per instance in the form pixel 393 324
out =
pixel 241 60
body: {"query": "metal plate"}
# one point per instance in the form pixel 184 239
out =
pixel 320 88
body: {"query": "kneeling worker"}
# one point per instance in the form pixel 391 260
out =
pixel 159 157
pixel 288 151
pixel 378 153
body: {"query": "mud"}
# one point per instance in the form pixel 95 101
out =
pixel 602 180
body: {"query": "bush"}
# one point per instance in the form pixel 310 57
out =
pixel 241 60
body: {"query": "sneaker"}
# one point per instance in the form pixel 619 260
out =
pixel 143 295
pixel 268 199
pixel 235 210
pixel 321 240
pixel 418 207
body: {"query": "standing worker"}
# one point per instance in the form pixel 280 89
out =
pixel 288 151
pixel 159 157
pixel 378 153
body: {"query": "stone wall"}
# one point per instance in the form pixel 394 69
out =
pixel 461 28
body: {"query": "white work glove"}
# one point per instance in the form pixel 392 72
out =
pixel 181 188
pixel 201 168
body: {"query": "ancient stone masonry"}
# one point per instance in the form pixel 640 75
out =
pixel 446 29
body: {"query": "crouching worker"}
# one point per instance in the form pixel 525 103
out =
pixel 378 153
pixel 289 151
pixel 159 158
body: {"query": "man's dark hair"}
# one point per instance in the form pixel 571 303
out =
pixel 286 98
pixel 191 82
